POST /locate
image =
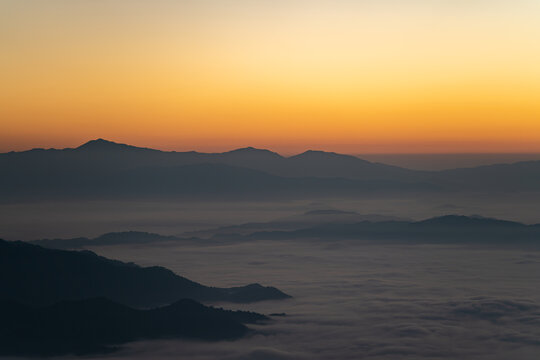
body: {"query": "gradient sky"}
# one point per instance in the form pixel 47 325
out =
pixel 350 76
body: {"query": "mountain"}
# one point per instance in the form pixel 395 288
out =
pixel 247 157
pixel 203 181
pixel 312 163
pixel 293 222
pixel 98 325
pixel 37 276
pixel 453 229
pixel 211 236
pixel 106 155
pixel 329 164
pixel 102 145
pixel 105 170
pixel 520 176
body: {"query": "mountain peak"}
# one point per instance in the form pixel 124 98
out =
pixel 98 144
pixel 327 155
pixel 103 145
pixel 253 151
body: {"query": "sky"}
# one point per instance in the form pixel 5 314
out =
pixel 366 76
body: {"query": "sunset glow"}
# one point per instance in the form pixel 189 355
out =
pixel 349 76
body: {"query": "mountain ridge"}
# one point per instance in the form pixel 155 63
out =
pixel 99 325
pixel 98 168
pixel 470 229
pixel 447 229
pixel 35 275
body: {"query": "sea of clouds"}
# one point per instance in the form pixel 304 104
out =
pixel 362 301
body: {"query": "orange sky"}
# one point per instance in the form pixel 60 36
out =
pixel 349 76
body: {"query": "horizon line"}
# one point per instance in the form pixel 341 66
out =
pixel 286 153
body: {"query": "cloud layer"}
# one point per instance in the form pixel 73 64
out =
pixel 364 301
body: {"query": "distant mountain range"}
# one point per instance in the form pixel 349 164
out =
pixel 36 276
pixel 212 236
pixel 449 229
pixel 102 154
pixel 98 325
pixel 293 222
pixel 323 225
pixel 104 169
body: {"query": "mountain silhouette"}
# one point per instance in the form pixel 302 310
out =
pixel 101 168
pixel 105 145
pixel 520 176
pixel 209 236
pixel 293 222
pixel 98 325
pixel 107 170
pixel 195 181
pixel 330 164
pixel 332 225
pixel 445 229
pixel 34 275
pixel 310 163
pixel 247 155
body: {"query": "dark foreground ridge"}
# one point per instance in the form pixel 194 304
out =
pixel 98 325
pixel 36 276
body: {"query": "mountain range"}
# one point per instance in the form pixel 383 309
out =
pixel 58 302
pixel 106 155
pixel 99 325
pixel 104 169
pixel 212 236
pixel 448 229
pixel 37 276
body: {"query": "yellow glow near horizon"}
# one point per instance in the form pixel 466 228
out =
pixel 351 76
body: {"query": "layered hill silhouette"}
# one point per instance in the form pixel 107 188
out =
pixel 98 325
pixel 520 176
pixel 102 154
pixel 37 276
pixel 212 236
pixel 455 229
pixel 104 169
pixel 293 222
pixel 452 229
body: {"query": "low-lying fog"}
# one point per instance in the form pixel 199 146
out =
pixel 351 300
pixel 362 301
pixel 30 221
